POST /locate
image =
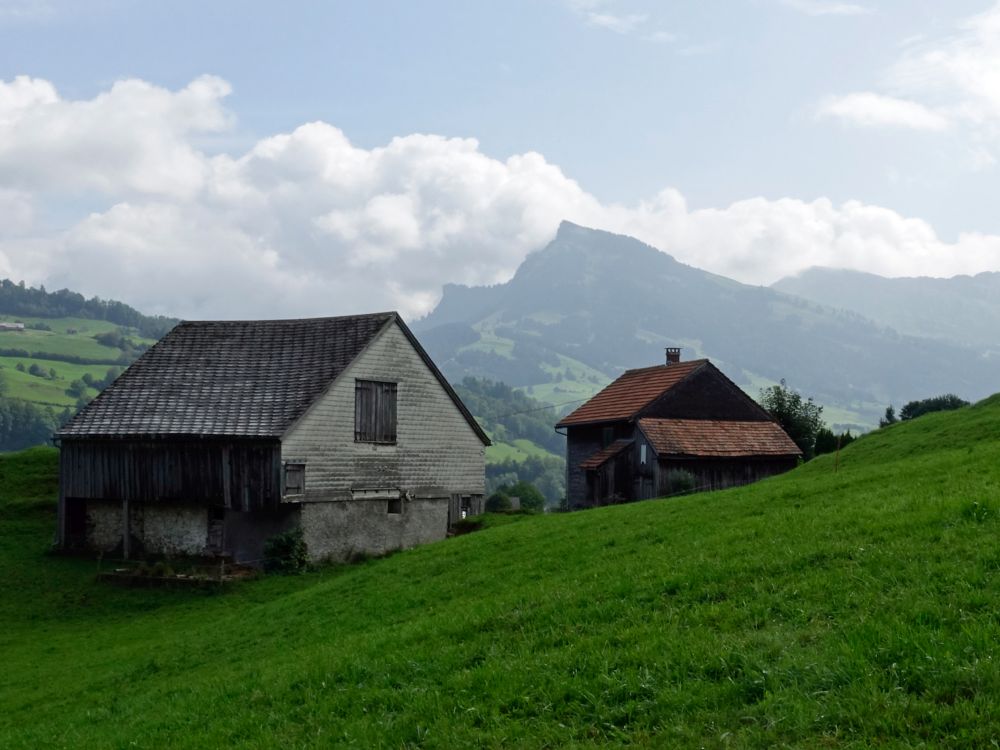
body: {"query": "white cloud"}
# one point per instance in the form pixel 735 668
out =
pixel 307 223
pixel 869 109
pixel 25 10
pixel 133 137
pixel 935 83
pixel 601 14
pixel 620 24
pixel 823 8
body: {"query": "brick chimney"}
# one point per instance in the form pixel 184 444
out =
pixel 673 355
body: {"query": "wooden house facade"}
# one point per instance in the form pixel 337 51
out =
pixel 226 433
pixel 657 428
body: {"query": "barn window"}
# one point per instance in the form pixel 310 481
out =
pixel 395 506
pixel 607 436
pixel 295 479
pixel 642 453
pixel 374 412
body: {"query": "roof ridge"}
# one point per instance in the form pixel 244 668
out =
pixel 700 360
pixel 319 319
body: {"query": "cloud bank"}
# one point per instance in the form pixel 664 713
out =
pixel 113 196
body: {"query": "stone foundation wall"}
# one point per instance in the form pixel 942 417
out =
pixel 338 531
pixel 161 529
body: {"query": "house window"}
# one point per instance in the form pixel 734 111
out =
pixel 395 506
pixel 374 412
pixel 295 479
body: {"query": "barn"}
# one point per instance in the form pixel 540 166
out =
pixel 680 425
pixel 226 433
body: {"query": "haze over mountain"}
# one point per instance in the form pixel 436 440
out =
pixel 963 309
pixel 591 304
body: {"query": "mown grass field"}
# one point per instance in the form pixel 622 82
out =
pixel 852 608
pixel 28 387
pixel 71 337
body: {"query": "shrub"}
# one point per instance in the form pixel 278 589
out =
pixel 498 502
pixel 286 552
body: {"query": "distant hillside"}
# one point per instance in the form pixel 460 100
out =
pixel 851 603
pixel 525 445
pixel 57 351
pixel 963 309
pixel 592 304
pixel 19 300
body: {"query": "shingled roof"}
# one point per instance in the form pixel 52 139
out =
pixel 717 438
pixel 239 378
pixel 634 389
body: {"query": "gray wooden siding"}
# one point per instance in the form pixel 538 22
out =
pixel 436 453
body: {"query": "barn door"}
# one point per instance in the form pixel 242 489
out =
pixel 216 530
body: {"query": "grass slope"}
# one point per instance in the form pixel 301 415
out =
pixel 69 337
pixel 848 608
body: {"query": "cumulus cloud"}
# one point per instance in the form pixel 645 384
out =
pixel 307 223
pixel 133 137
pixel 869 109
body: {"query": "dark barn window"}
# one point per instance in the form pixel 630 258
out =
pixel 374 412
pixel 295 479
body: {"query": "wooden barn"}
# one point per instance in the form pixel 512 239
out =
pixel 226 433
pixel 654 428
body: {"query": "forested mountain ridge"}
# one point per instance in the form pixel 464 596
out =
pixel 963 309
pixel 591 304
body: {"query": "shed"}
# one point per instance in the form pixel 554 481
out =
pixel 632 438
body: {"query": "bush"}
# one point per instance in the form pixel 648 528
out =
pixel 286 552
pixel 498 502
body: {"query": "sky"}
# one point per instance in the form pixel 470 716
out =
pixel 245 159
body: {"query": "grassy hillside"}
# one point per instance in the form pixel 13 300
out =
pixel 831 607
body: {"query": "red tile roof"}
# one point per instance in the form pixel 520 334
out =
pixel 605 454
pixel 633 390
pixel 717 438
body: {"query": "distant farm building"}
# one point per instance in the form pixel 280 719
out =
pixel 8 326
pixel 681 425
pixel 226 433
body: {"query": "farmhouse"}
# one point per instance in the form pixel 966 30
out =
pixel 632 440
pixel 226 433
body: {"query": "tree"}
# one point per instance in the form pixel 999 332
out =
pixel 916 409
pixel 827 441
pixel 800 418
pixel 889 418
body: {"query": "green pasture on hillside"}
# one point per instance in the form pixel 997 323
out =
pixel 517 450
pixel 24 385
pixel 851 603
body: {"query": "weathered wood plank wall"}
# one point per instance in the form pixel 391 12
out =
pixel 241 475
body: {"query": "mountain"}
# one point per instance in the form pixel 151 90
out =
pixel 963 309
pixel 591 304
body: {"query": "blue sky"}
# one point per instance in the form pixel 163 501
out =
pixel 751 137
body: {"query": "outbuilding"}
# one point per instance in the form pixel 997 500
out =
pixel 226 433
pixel 680 425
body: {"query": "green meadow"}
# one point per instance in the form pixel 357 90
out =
pixel 852 603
